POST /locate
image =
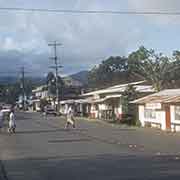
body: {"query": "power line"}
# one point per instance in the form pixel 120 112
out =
pixel 69 11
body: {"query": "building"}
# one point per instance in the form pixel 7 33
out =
pixel 82 106
pixel 39 93
pixel 106 103
pixel 161 110
pixel 71 90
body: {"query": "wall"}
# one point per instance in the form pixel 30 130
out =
pixel 118 111
pixel 37 106
pixel 155 122
pixel 175 123
pixel 94 111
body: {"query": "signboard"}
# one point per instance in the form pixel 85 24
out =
pixel 153 106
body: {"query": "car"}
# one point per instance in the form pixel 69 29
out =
pixel 50 111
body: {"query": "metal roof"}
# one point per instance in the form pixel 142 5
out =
pixel 121 88
pixel 89 100
pixel 165 96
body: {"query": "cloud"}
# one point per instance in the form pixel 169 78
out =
pixel 157 5
pixel 87 39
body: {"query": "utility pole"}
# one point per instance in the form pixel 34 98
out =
pixel 56 67
pixel 23 86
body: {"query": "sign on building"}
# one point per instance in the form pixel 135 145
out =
pixel 153 106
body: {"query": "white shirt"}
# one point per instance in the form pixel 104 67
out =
pixel 12 120
pixel 1 118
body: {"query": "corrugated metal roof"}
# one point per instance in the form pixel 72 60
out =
pixel 90 100
pixel 122 88
pixel 165 96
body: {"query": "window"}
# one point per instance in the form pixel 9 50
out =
pixel 177 112
pixel 150 113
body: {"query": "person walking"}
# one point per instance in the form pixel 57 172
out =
pixel 12 122
pixel 1 119
pixel 70 118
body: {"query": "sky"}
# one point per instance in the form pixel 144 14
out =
pixel 86 39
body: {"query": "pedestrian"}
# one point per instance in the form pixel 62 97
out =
pixel 70 117
pixel 12 122
pixel 1 118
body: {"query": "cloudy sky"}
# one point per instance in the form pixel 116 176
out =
pixel 87 38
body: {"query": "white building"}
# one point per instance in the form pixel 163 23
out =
pixel 39 93
pixel 106 103
pixel 161 110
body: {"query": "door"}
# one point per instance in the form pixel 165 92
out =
pixel 168 118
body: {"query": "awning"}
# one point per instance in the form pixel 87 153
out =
pixel 35 100
pixel 107 97
pixel 70 101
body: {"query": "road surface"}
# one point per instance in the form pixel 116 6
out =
pixel 42 150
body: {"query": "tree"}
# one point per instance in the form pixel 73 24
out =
pixel 129 110
pixel 43 104
pixel 51 83
pixel 155 68
pixel 111 71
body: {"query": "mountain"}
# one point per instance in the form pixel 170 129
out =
pixel 77 79
pixel 4 80
pixel 8 80
pixel 81 76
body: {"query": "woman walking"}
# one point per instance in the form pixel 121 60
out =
pixel 12 123
pixel 1 118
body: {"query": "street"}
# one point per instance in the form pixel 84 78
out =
pixel 42 149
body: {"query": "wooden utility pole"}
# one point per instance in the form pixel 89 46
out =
pixel 23 86
pixel 56 66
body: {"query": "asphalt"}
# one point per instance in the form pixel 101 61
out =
pixel 42 149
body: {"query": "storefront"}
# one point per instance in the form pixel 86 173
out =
pixel 161 110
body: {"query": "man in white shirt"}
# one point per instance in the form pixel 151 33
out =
pixel 1 118
pixel 70 118
pixel 12 123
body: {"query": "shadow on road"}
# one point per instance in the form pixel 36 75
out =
pixel 49 131
pixel 69 140
pixel 97 167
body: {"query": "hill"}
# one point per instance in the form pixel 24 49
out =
pixel 81 76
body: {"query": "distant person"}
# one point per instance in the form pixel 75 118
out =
pixel 12 122
pixel 70 118
pixel 1 118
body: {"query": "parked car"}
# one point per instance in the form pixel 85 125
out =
pixel 6 109
pixel 50 111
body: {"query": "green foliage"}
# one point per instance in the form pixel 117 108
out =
pixel 43 103
pixel 111 71
pixel 157 69
pixel 51 83
pixel 128 109
pixel 144 64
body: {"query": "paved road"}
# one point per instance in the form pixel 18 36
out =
pixel 42 150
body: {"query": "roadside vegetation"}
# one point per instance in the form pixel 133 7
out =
pixel 144 64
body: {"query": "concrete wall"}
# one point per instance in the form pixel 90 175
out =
pixel 94 111
pixel 158 121
pixel 37 106
pixel 118 111
pixel 175 123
